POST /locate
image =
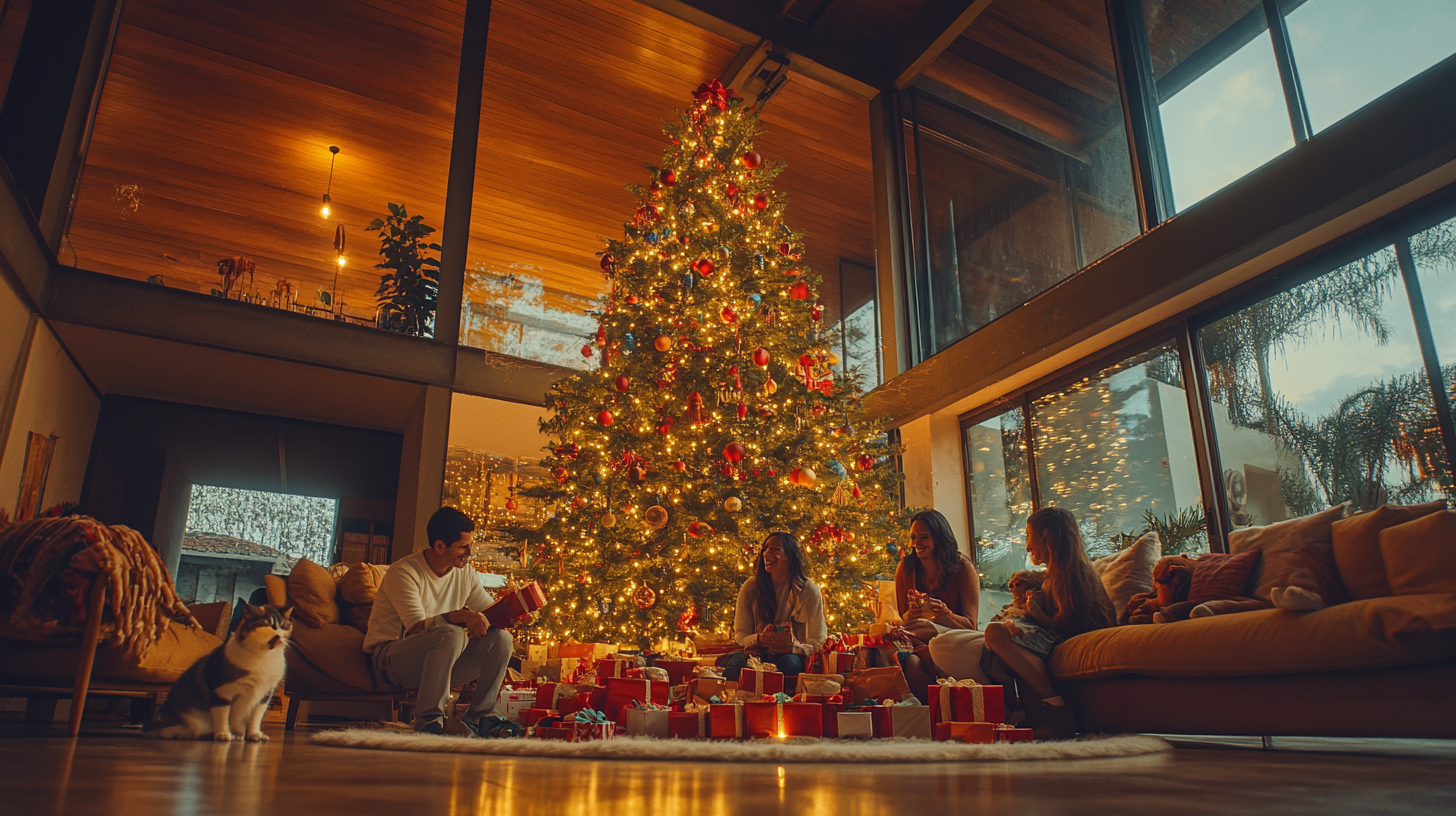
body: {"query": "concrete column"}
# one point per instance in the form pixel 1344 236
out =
pixel 934 473
pixel 421 470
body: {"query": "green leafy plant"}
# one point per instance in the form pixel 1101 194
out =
pixel 1184 532
pixel 410 288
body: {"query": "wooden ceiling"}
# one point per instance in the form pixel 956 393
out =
pixel 212 134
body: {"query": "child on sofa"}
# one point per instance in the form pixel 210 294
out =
pixel 1025 631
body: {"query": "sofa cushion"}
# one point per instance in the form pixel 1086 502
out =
pixel 361 582
pixel 277 588
pixel 1357 546
pixel 1298 552
pixel 312 591
pixel 1125 574
pixel 165 660
pixel 1420 555
pixel 337 650
pixel 1221 575
pixel 1394 631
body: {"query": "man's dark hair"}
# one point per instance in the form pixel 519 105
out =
pixel 447 524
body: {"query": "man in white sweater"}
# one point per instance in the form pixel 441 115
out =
pixel 427 631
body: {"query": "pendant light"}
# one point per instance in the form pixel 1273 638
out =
pixel 334 149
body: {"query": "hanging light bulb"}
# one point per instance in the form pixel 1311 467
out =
pixel 325 211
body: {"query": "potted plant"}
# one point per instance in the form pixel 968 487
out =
pixel 407 292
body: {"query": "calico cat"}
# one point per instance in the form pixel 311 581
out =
pixel 226 693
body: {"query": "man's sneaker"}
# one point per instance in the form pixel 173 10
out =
pixel 435 727
pixel 460 728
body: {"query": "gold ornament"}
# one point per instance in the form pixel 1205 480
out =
pixel 656 517
pixel 608 520
pixel 662 343
pixel 733 504
pixel 644 597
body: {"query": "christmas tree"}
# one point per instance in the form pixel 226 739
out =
pixel 716 414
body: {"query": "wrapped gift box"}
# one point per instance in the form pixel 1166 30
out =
pixel 877 685
pixel 762 681
pixel 537 652
pixel 514 603
pixel 776 719
pixel 586 731
pixel 616 667
pixel 585 651
pixel 678 671
pixel 967 701
pixel 836 662
pixel 646 722
pixel 563 732
pixel 620 691
pixel 817 684
pixel 593 697
pixel 830 706
pixel 549 694
pixel 726 721
pixel 512 702
pixel 690 724
pixel 976 733
pixel 904 721
pixel 1006 733
pixel 854 724
pixel 706 688
pixel 531 716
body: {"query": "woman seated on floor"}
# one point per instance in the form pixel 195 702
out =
pixel 780 616
pixel 938 591
pixel 1071 601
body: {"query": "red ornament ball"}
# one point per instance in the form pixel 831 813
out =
pixel 512 505
pixel 704 267
pixel 742 411
pixel 760 202
pixel 669 177
pixel 731 190
pixel 866 462
pixel 586 351
pixel 729 316
pixel 632 300
pixel 760 357
pixel 793 273
pixel 662 343
pixel 604 419
pixel 609 264
pixel 800 291
pixel 622 383
pixel 734 452
pixel 679 466
pixel 752 160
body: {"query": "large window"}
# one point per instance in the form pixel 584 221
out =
pixel 1320 393
pixel 1351 51
pixel 235 537
pixel 1116 449
pixel 998 486
pixel 1220 100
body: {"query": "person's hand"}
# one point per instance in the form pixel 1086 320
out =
pixel 775 642
pixel 523 619
pixel 1011 628
pixel 417 628
pixel 934 609
pixel 475 623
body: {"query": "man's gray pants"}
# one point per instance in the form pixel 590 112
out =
pixel 441 657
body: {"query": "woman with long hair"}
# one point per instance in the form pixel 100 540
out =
pixel 780 615
pixel 1071 601
pixel 934 581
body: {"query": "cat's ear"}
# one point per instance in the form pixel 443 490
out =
pixel 288 612
pixel 253 611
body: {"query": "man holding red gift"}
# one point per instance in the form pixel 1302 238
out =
pixel 427 631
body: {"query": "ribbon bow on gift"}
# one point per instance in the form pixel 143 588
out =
pixel 781 697
pixel 710 673
pixel 822 688
pixel 590 715
pixel 715 700
pixel 954 683
pixel 646 706
pixel 696 708
pixel 714 94
pixel 946 702
pixel 755 664
pixel 654 673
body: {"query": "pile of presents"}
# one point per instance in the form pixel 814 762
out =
pixel 854 689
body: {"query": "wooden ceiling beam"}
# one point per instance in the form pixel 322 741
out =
pixel 925 37
pixel 831 59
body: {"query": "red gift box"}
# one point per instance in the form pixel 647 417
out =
pixel 592 697
pixel 621 691
pixel 1006 733
pixel 615 668
pixel 967 701
pixel 912 721
pixel 761 681
pixel 511 605
pixel 587 731
pixel 976 733
pixel 776 719
pixel 556 732
pixel 838 662
pixel 726 721
pixel 689 724
pixel 531 716
pixel 678 671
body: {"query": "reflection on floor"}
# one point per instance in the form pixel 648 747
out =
pixel 114 771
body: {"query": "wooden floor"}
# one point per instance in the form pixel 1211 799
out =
pixel 113 771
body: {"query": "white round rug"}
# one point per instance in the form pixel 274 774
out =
pixel 801 749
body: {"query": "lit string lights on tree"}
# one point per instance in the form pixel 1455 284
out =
pixel 716 414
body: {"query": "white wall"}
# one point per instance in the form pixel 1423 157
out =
pixel 53 398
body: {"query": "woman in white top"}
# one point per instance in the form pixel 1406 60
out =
pixel 779 593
